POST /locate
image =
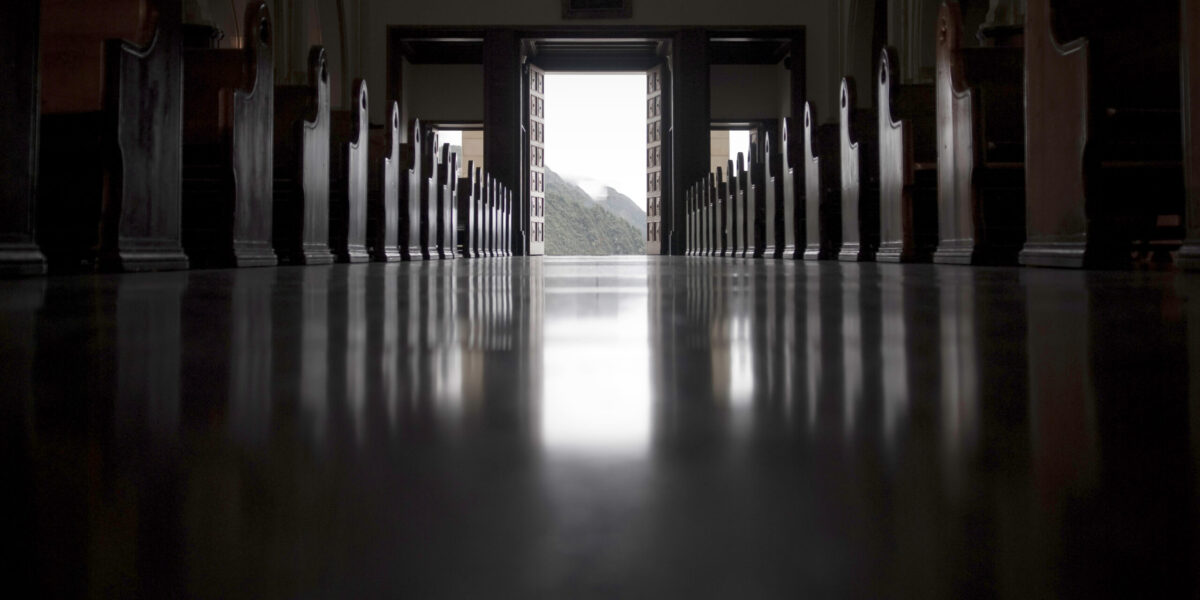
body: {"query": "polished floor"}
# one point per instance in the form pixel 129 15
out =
pixel 604 428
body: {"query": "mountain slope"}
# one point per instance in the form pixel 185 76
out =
pixel 577 225
pixel 622 206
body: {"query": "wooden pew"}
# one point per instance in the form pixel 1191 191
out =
pixel 447 201
pixel 1104 171
pixel 756 173
pixel 488 221
pixel 690 237
pixel 228 149
pixel 466 212
pixel 508 223
pixel 429 194
pixel 732 206
pixel 477 234
pixel 790 190
pixel 498 220
pixel 301 203
pixel 860 178
pixel 745 227
pixel 711 241
pixel 348 158
pixel 1189 254
pixel 19 254
pixel 697 226
pixel 907 167
pixel 383 192
pixel 772 199
pixel 702 215
pixel 721 213
pixel 111 104
pixel 411 190
pixel 822 180
pixel 981 148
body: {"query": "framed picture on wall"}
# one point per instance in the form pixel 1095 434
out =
pixel 597 9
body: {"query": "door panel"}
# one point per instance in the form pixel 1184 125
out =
pixel 654 160
pixel 537 161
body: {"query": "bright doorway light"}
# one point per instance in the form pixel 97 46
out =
pixel 739 141
pixel 596 131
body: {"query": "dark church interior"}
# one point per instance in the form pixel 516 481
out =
pixel 934 333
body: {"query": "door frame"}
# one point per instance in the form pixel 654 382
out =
pixel 503 51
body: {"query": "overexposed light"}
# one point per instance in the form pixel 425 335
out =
pixel 596 130
pixel 450 136
pixel 739 141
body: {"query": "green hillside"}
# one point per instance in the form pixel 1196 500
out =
pixel 622 206
pixel 576 225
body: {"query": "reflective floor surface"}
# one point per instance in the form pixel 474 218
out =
pixel 608 428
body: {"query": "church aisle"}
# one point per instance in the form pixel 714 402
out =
pixel 604 427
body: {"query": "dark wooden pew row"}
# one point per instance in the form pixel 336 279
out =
pixel 980 148
pixel 860 178
pixel 477 234
pixel 348 158
pixel 498 220
pixel 791 218
pixel 489 216
pixel 745 230
pixel 301 196
pixel 711 243
pixel 1189 254
pixel 228 149
pixel 411 190
pixel 111 104
pixel 756 172
pixel 732 207
pixel 467 220
pixel 823 188
pixel 429 195
pixel 447 202
pixel 19 254
pixel 384 240
pixel 779 196
pixel 1104 173
pixel 690 211
pixel 694 220
pixel 721 213
pixel 773 230
pixel 701 220
pixel 907 167
pixel 508 222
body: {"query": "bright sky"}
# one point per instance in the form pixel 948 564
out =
pixel 596 129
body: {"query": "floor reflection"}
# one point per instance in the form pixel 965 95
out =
pixel 606 426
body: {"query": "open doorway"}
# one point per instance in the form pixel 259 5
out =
pixel 597 130
pixel 593 172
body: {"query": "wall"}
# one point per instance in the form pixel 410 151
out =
pixel 458 95
pixel 746 92
pixel 816 15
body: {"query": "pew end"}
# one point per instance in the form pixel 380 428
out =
pixel 348 158
pixel 109 149
pixel 300 221
pixel 907 167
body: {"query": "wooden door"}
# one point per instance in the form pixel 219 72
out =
pixel 537 161
pixel 654 160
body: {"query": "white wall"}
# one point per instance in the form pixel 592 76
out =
pixel 815 15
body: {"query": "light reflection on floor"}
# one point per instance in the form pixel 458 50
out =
pixel 605 427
